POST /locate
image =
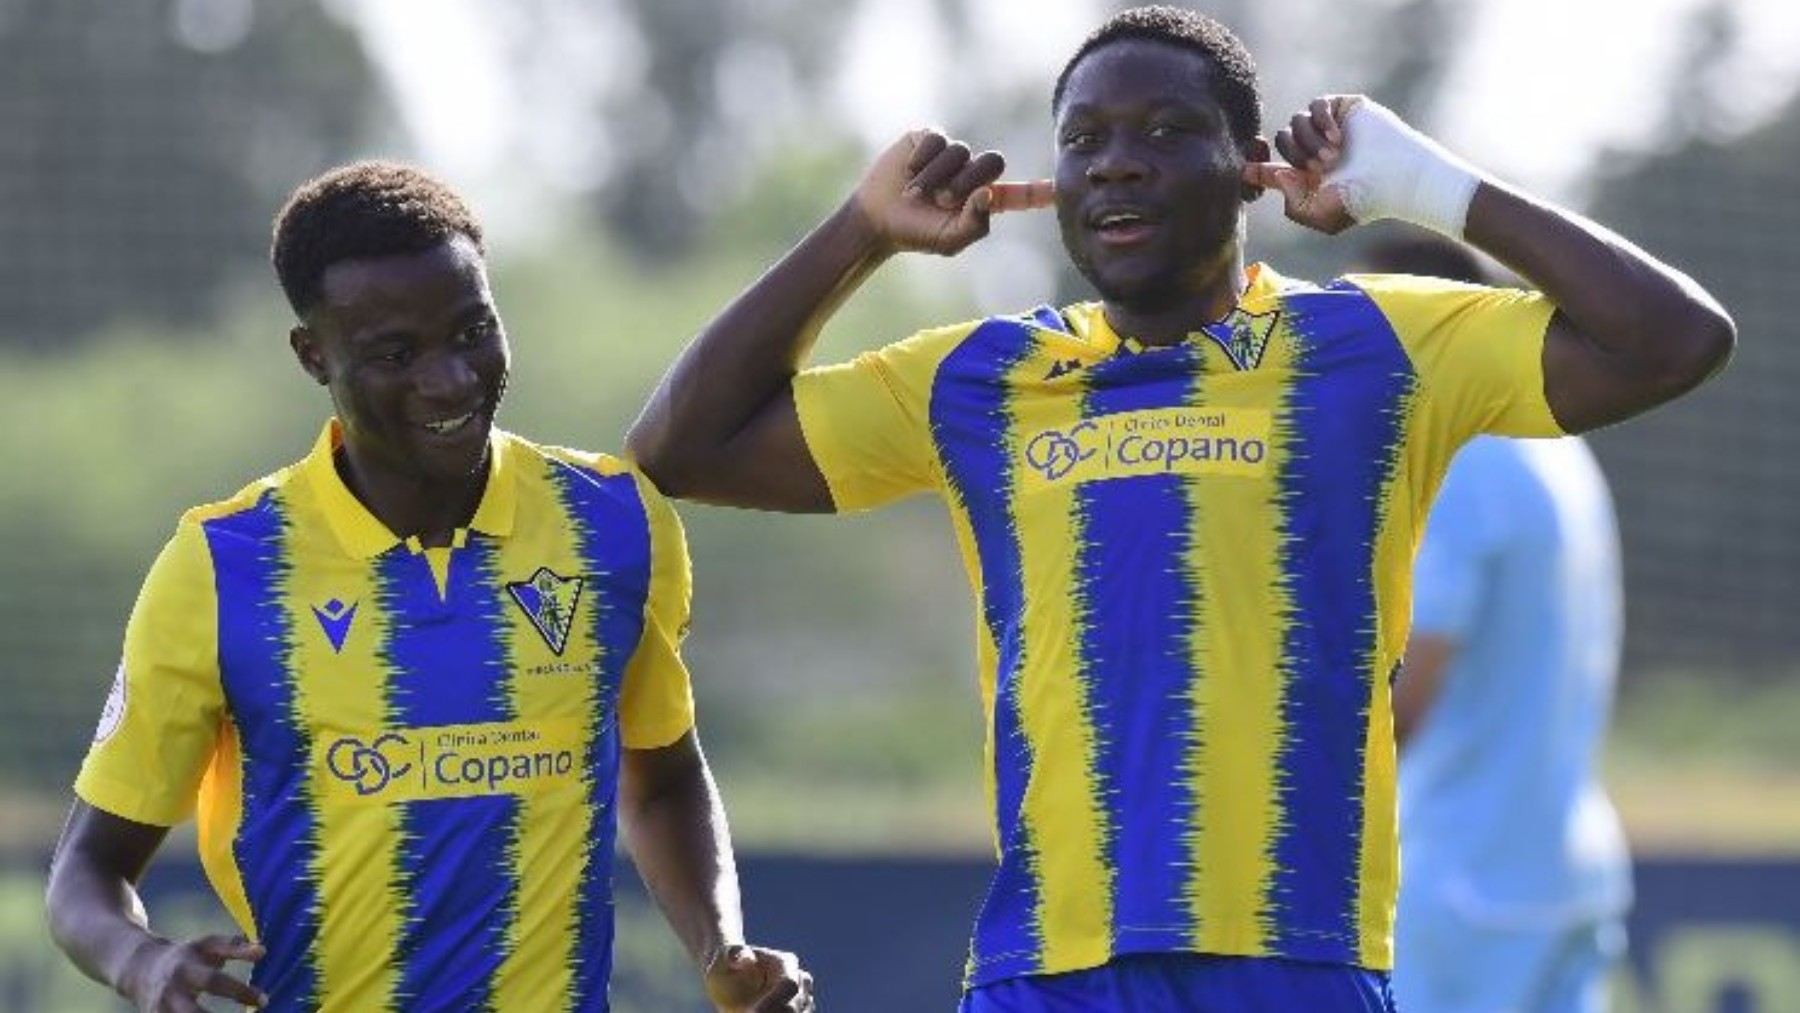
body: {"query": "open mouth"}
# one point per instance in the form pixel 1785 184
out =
pixel 1121 225
pixel 447 426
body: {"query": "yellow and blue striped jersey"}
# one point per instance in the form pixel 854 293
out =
pixel 1192 569
pixel 404 761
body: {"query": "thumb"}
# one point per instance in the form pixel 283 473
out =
pixel 735 958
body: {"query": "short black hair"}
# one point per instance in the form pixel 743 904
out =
pixel 365 209
pixel 1239 92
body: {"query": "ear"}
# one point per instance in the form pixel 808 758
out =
pixel 306 349
pixel 1256 151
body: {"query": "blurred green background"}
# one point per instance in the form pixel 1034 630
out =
pixel 638 161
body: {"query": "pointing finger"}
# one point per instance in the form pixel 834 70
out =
pixel 1020 196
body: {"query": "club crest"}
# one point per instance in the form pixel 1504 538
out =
pixel 1245 336
pixel 549 602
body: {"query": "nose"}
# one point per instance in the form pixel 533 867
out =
pixel 1118 161
pixel 444 374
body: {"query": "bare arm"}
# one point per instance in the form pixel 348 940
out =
pixel 675 828
pixel 721 426
pixel 97 918
pixel 1428 657
pixel 1630 332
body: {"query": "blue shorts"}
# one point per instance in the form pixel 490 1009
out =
pixel 1190 983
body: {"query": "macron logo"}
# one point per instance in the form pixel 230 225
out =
pixel 334 618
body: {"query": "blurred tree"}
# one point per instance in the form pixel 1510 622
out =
pixel 1706 486
pixel 688 108
pixel 146 144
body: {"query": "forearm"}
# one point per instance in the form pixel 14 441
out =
pixel 681 844
pixel 99 922
pixel 747 356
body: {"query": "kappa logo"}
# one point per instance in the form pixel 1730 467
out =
pixel 335 618
pixel 549 601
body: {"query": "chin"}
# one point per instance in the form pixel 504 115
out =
pixel 453 468
pixel 1147 292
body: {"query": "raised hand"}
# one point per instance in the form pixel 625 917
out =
pixel 174 976
pixel 1313 144
pixel 930 193
pixel 1350 159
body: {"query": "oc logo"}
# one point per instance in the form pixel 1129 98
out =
pixel 1055 453
pixel 365 766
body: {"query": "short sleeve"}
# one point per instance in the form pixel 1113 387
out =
pixel 867 422
pixel 1479 352
pixel 656 703
pixel 162 721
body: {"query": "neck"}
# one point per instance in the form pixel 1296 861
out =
pixel 1170 321
pixel 430 510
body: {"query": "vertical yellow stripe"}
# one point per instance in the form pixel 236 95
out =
pixel 1237 647
pixel 555 828
pixel 986 651
pixel 1062 807
pixel 342 693
pixel 1378 865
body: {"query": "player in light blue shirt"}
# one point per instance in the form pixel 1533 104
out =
pixel 1515 877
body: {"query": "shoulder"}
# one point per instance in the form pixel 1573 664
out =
pixel 253 496
pixel 1413 300
pixel 598 463
pixel 598 477
pixel 1008 327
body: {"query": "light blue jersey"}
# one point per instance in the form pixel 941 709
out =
pixel 1504 826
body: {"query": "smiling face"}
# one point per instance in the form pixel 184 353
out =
pixel 1149 179
pixel 413 352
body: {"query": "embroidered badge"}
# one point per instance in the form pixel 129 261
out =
pixel 549 602
pixel 1245 336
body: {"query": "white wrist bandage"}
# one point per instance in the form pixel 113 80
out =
pixel 1390 170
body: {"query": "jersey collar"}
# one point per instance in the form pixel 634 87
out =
pixel 1088 322
pixel 364 536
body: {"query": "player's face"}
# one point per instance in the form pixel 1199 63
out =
pixel 1149 188
pixel 416 359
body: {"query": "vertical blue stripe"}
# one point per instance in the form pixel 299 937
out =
pixel 970 420
pixel 1137 607
pixel 447 665
pixel 612 538
pixel 276 845
pixel 1346 407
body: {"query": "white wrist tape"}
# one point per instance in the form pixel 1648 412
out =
pixel 1390 170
